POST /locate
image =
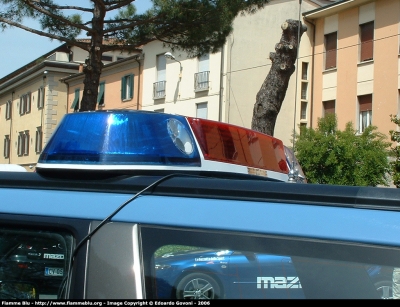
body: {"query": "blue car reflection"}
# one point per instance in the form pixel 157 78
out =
pixel 226 274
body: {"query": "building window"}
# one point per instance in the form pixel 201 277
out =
pixel 106 58
pixel 365 107
pixel 303 126
pixel 159 86
pixel 7 142
pixel 159 89
pixel 38 141
pixel 25 104
pixel 202 110
pixel 303 112
pixel 201 81
pixel 127 87
pixel 367 41
pixel 21 105
pixel 304 86
pixel 21 142
pixel 161 67
pixel 28 102
pixel 159 110
pixel 204 62
pixel 75 103
pixel 100 96
pixel 8 109
pixel 40 99
pixel 329 107
pixel 330 50
pixel 26 143
pixel 304 70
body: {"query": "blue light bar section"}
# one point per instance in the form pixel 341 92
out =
pixel 122 137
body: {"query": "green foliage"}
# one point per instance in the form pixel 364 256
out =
pixel 330 156
pixel 174 249
pixel 395 152
pixel 195 26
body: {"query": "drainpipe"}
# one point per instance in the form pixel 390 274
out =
pixel 221 84
pixel 44 105
pixel 11 123
pixel 138 92
pixel 312 71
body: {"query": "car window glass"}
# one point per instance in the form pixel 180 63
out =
pixel 33 263
pixel 262 267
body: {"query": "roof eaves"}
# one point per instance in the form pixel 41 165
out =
pixel 31 64
pixel 136 57
pixel 32 70
pixel 324 10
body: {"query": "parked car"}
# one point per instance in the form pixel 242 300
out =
pixel 211 274
pixel 12 168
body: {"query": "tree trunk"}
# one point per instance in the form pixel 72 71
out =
pixel 94 64
pixel 270 97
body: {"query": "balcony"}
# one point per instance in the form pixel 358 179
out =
pixel 159 89
pixel 201 81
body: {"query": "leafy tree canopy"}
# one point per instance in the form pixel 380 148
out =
pixel 330 156
pixel 194 26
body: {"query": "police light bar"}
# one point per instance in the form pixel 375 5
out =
pixel 131 141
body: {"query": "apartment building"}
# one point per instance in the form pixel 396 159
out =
pixel 356 63
pixel 33 100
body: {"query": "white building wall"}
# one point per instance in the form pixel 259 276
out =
pixel 180 96
pixel 248 64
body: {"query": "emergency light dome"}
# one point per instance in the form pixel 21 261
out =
pixel 133 142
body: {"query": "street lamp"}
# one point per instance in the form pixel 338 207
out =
pixel 169 56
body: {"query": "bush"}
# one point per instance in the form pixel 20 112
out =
pixel 330 156
pixel 395 152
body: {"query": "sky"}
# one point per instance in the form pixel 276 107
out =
pixel 19 47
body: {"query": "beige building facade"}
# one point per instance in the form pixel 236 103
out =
pixel 356 63
pixel 120 86
pixel 31 106
pixel 34 98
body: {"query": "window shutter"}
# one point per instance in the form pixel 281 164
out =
pixel 21 105
pixel 76 100
pixel 131 78
pixel 365 102
pixel 123 88
pixel 28 102
pixel 329 107
pixel 39 98
pixel 330 48
pixel 367 41
pixel 100 96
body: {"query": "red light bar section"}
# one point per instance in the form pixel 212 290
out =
pixel 233 144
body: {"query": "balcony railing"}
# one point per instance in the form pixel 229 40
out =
pixel 201 81
pixel 159 89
